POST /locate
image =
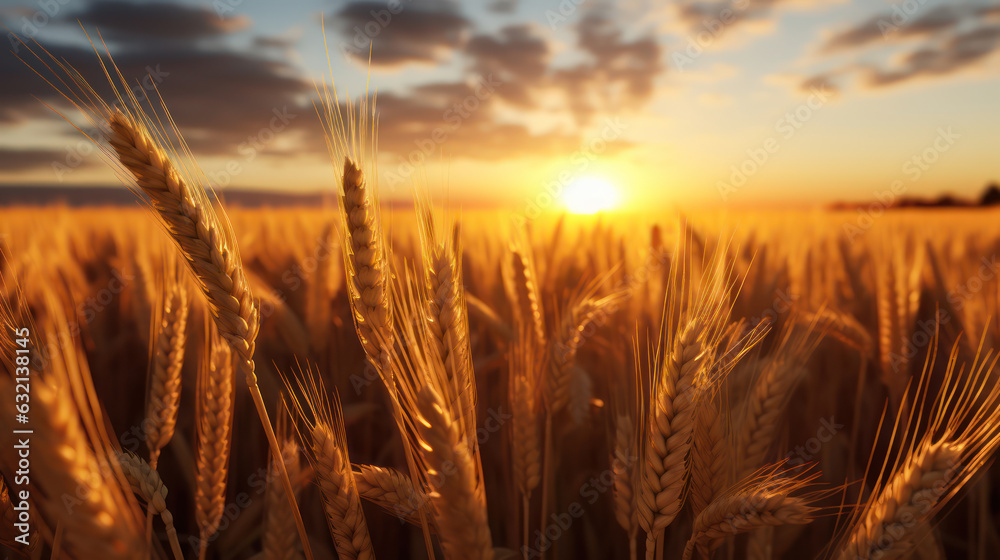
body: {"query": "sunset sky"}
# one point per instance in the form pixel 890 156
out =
pixel 749 102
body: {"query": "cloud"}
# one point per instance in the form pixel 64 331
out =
pixel 823 82
pixel 719 17
pixel 518 57
pixel 218 98
pixel 458 119
pixel 951 39
pixel 620 74
pixel 503 6
pixel 890 26
pixel 958 52
pixel 400 33
pixel 142 23
pixel 12 160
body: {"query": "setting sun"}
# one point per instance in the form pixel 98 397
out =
pixel 590 195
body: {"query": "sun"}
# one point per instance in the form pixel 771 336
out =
pixel 590 195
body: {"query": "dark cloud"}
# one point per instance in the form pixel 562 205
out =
pixel 519 57
pixel 945 56
pixel 399 33
pixel 891 26
pixel 142 23
pixel 23 160
pixel 621 73
pixel 717 18
pixel 958 52
pixel 503 6
pixel 821 82
pixel 218 98
pixel 459 119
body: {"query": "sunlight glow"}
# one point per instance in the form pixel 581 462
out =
pixel 590 195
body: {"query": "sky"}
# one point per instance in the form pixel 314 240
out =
pixel 506 102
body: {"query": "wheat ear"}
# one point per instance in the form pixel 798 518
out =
pixel 324 437
pixel 771 393
pixel 709 456
pixel 165 380
pixel 957 440
pixel 391 490
pixel 566 345
pixel 340 496
pixel 446 315
pixel 528 308
pixel 209 246
pixel 888 530
pixel 746 510
pixel 70 463
pixel 623 465
pixel 525 438
pixel 367 266
pixel 146 482
pixel 668 434
pixel 215 419
pixel 457 500
pixel 280 540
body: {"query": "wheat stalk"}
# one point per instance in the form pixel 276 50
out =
pixel 367 266
pixel 751 508
pixel 937 459
pixel 165 379
pixel 79 487
pixel 215 418
pixel 457 499
pixel 340 496
pixel 890 527
pixel 709 456
pixel 668 434
pixel 209 246
pixel 566 345
pixel 391 490
pixel 146 482
pixel 280 541
pixel 528 308
pixel 525 438
pixel 623 466
pixel 446 316
pixel 326 441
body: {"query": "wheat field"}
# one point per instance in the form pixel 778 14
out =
pixel 202 381
pixel 570 389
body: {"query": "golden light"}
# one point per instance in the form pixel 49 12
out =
pixel 590 195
